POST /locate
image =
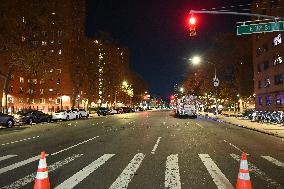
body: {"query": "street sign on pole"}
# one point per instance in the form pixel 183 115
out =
pixel 260 28
pixel 216 82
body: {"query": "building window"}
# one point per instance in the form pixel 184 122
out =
pixel 58 81
pixel 33 101
pixel 41 91
pixel 43 43
pixel 265 47
pixel 258 51
pixel 60 51
pixel 279 99
pixel 278 79
pixel 266 65
pixel 58 100
pixel 28 100
pixel 260 100
pixel 41 100
pixel 21 90
pixel 259 84
pixel 267 82
pixel 12 77
pixel 44 33
pixel 60 33
pixel 59 42
pixel 35 81
pixel 21 80
pixel 277 60
pixel 50 90
pixel 10 99
pixel 11 89
pixel 21 100
pixel 268 100
pixel 41 81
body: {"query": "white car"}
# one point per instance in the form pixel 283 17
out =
pixel 83 113
pixel 65 115
pixel 113 111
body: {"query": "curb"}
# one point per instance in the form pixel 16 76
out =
pixel 242 126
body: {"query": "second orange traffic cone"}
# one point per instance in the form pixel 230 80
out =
pixel 243 181
pixel 42 179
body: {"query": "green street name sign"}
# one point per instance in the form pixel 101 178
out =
pixel 260 28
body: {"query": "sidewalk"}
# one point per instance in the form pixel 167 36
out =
pixel 271 129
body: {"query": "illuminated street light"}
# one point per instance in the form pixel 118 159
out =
pixel 196 60
pixel 181 89
pixel 124 83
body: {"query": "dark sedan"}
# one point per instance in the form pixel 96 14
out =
pixel 32 116
pixel 7 120
pixel 103 111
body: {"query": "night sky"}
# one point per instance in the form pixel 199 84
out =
pixel 156 34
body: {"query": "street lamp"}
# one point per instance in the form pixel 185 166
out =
pixel 181 89
pixel 197 60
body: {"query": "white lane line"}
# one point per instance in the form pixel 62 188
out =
pixel 271 183
pixel 156 146
pixel 30 178
pixel 218 177
pixel 199 125
pixel 6 157
pixel 74 145
pixel 172 176
pixel 128 173
pixel 21 140
pixel 274 161
pixel 19 164
pixel 234 146
pixel 82 174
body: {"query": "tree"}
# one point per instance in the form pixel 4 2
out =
pixel 17 26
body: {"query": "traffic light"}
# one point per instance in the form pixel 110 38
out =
pixel 192 25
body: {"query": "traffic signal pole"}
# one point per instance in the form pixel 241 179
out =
pixel 236 13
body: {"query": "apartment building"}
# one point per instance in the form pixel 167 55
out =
pixel 268 54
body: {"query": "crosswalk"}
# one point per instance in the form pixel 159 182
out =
pixel 172 171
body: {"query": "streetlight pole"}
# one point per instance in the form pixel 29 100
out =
pixel 197 60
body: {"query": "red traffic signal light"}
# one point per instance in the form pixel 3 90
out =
pixel 192 20
pixel 192 25
pixel 172 97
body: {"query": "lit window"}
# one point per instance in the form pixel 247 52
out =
pixel 10 99
pixel 279 99
pixel 51 42
pixel 33 101
pixel 268 100
pixel 53 13
pixel 21 100
pixel 43 43
pixel 35 81
pixel 28 100
pixel 60 51
pixel 267 82
pixel 277 40
pixel 278 60
pixel 52 51
pixel 50 90
pixel 41 100
pixel 21 80
pixel 12 76
pixel 51 71
pixel 58 100
pixel 41 91
pixel 58 81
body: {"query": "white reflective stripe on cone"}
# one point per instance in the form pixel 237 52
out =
pixel 244 164
pixel 244 176
pixel 42 163
pixel 41 175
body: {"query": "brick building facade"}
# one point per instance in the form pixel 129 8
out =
pixel 268 53
pixel 53 89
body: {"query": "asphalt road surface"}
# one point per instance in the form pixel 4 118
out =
pixel 139 150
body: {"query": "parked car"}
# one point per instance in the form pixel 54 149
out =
pixel 32 116
pixel 113 111
pixel 83 113
pixel 64 115
pixel 7 120
pixel 127 109
pixel 76 112
pixel 103 111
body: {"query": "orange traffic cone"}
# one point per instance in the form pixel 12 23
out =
pixel 243 177
pixel 42 179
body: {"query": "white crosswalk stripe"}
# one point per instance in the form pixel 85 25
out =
pixel 82 174
pixel 172 176
pixel 128 173
pixel 19 164
pixel 218 177
pixel 7 157
pixel 273 160
pixel 270 182
pixel 30 178
pixel 172 172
